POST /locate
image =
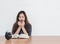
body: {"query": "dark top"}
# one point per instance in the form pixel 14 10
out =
pixel 27 27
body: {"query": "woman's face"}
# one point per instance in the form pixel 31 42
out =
pixel 21 17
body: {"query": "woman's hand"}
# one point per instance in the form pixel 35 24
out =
pixel 23 28
pixel 22 24
pixel 19 24
pixel 19 28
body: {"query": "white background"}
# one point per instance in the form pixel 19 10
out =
pixel 44 15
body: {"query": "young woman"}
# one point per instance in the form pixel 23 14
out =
pixel 21 26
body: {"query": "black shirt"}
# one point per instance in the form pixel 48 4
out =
pixel 28 28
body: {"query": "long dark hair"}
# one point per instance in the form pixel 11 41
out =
pixel 15 25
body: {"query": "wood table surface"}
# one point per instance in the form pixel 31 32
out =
pixel 32 40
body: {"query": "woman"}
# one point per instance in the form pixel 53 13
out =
pixel 21 26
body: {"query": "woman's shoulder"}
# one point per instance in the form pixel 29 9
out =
pixel 28 24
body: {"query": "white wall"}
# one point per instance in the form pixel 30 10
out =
pixel 44 15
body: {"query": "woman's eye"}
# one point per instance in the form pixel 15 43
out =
pixel 19 16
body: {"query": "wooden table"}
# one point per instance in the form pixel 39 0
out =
pixel 32 40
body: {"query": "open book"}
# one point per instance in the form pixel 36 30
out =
pixel 20 36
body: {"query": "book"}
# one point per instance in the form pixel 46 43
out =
pixel 20 36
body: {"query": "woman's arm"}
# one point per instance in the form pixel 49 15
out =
pixel 18 30
pixel 29 29
pixel 24 30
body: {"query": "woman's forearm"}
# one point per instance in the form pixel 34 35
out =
pixel 18 30
pixel 24 30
